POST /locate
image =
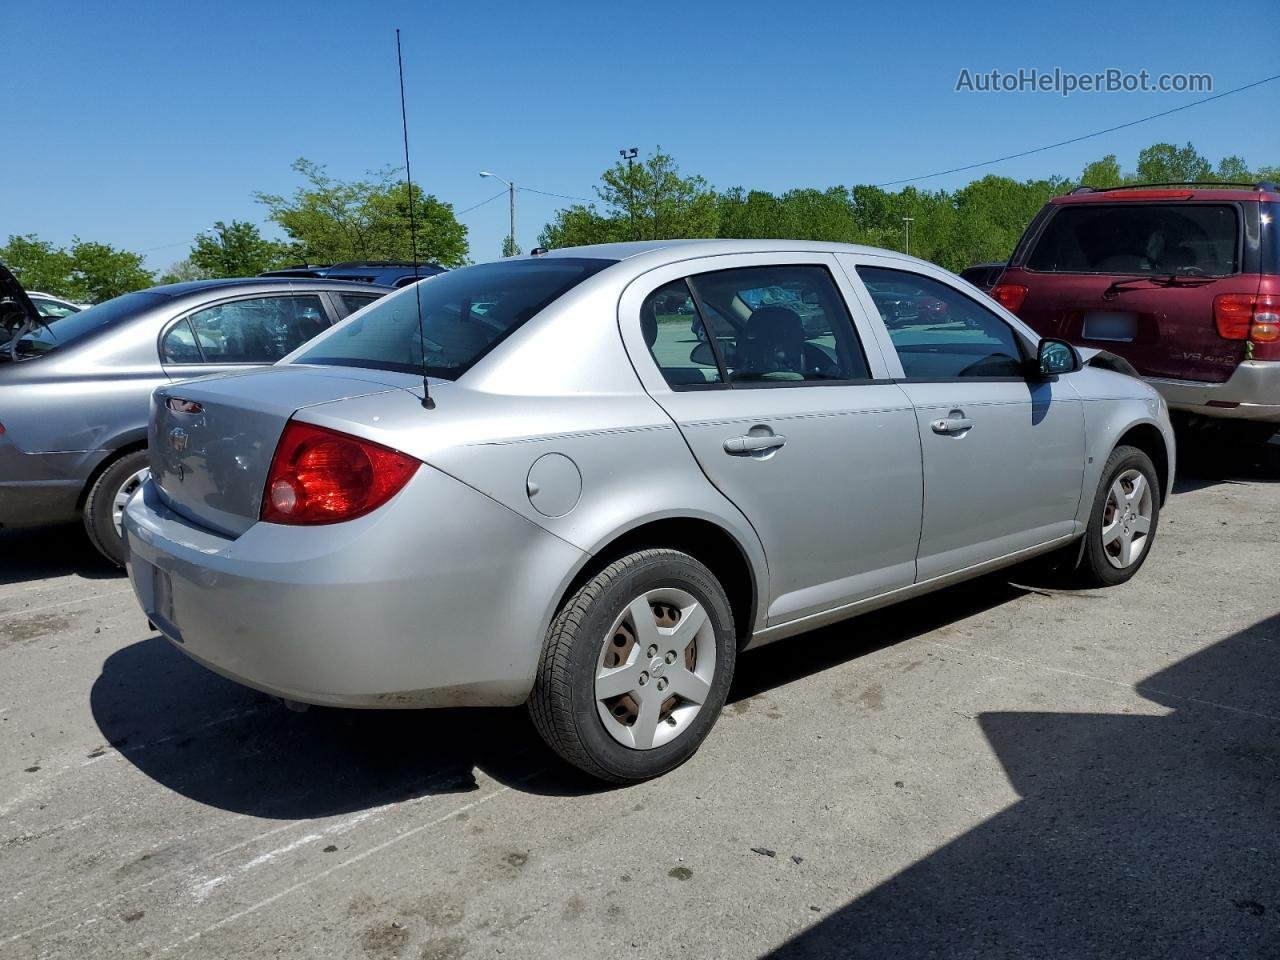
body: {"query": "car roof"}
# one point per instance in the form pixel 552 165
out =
pixel 675 250
pixel 193 287
pixel 1170 192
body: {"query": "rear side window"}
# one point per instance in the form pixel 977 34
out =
pixel 1195 239
pixel 675 336
pixel 256 330
pixel 352 302
pixel 777 324
pixel 465 314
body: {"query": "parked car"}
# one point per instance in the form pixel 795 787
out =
pixel 75 388
pixel 387 273
pixel 1183 281
pixel 983 275
pixel 596 511
pixel 50 306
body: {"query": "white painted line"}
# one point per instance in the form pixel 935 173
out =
pixel 351 861
pixel 26 611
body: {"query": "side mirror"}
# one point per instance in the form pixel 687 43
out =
pixel 1055 357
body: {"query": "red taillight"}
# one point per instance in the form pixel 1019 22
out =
pixel 1009 295
pixel 1247 316
pixel 322 476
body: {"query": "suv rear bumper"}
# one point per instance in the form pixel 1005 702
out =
pixel 1252 393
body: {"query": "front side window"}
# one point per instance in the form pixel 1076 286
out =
pixel 777 324
pixel 1161 239
pixel 938 332
pixel 256 330
pixel 464 314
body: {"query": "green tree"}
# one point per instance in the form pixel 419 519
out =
pixel 509 246
pixel 38 264
pixel 237 249
pixel 1103 173
pixel 641 201
pixel 88 272
pixel 102 271
pixel 329 220
pixel 1166 163
pixel 182 271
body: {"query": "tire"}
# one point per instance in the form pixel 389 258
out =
pixel 593 638
pixel 1103 563
pixel 118 480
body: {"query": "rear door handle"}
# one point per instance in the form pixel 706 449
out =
pixel 752 444
pixel 951 425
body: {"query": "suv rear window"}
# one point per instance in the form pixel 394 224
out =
pixel 465 314
pixel 1140 238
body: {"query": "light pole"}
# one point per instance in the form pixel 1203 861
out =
pixel 511 193
pixel 629 155
pixel 906 221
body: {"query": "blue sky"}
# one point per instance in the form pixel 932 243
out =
pixel 142 126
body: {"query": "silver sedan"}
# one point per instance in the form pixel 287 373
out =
pixel 534 481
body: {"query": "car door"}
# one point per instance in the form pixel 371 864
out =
pixel 238 332
pixel 789 412
pixel 1003 454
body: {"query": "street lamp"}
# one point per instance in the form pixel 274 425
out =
pixel 629 154
pixel 906 221
pixel 511 193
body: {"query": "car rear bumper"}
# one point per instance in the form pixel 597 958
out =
pixel 440 598
pixel 1251 393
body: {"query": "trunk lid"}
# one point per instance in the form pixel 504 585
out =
pixel 212 439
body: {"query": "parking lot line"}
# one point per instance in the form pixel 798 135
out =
pixel 342 865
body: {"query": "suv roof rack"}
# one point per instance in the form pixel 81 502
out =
pixel 382 263
pixel 1263 186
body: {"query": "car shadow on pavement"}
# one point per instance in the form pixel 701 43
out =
pixel 229 747
pixel 1135 835
pixel 39 552
pixel 1205 462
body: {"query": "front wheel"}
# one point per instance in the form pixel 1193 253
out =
pixel 104 506
pixel 1122 526
pixel 636 667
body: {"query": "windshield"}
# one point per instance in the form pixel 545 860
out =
pixel 1140 239
pixel 55 332
pixel 465 314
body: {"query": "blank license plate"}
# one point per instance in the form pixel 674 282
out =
pixel 1105 325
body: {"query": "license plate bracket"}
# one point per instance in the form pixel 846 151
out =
pixel 1114 325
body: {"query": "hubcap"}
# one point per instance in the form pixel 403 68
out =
pixel 1126 519
pixel 655 668
pixel 127 490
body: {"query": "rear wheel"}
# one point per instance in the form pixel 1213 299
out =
pixel 104 506
pixel 1122 526
pixel 636 667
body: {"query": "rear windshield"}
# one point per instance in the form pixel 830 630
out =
pixel 1140 238
pixel 465 314
pixel 57 332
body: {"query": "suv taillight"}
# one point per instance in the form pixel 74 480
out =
pixel 1009 295
pixel 323 476
pixel 1247 316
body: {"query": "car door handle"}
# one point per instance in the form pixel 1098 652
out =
pixel 951 425
pixel 752 444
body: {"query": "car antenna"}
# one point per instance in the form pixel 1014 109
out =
pixel 427 402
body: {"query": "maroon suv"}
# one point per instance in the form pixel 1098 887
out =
pixel 1181 281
